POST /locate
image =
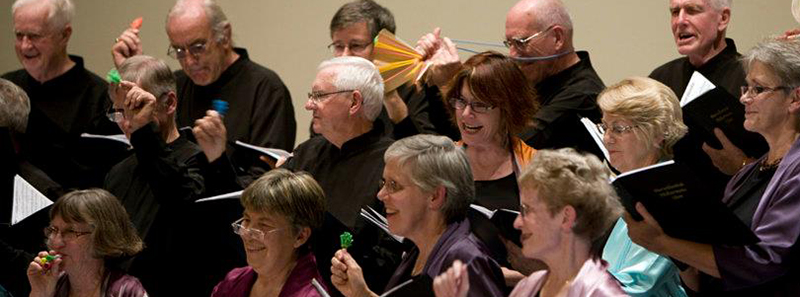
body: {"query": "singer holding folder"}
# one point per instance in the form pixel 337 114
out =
pixel 764 194
pixel 642 120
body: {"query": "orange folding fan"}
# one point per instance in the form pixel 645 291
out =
pixel 397 61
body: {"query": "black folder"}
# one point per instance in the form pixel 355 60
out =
pixel 677 199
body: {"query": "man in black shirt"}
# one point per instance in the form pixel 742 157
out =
pixel 66 99
pixel 162 179
pixel 699 27
pixel 347 161
pixel 260 106
pixel 539 36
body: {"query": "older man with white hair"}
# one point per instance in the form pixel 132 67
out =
pixel 699 28
pixel 260 110
pixel 66 99
pixel 347 161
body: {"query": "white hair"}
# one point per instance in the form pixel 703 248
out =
pixel 356 73
pixel 216 18
pixel 14 106
pixel 553 12
pixel 59 15
pixel 719 5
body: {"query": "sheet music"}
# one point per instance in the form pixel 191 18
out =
pixel 273 152
pixel 27 200
pixel 698 85
pixel 231 195
pixel 596 135
pixel 115 137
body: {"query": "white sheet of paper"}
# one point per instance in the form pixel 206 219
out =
pixel 115 137
pixel 698 85
pixel 231 195
pixel 27 200
pixel 596 135
pixel 274 152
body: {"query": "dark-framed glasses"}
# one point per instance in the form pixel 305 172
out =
pixel 753 91
pixel 252 233
pixel 318 97
pixel 195 49
pixel 615 129
pixel 521 42
pixel 355 47
pixel 476 106
pixel 66 234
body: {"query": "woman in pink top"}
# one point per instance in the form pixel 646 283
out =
pixel 567 206
pixel 280 210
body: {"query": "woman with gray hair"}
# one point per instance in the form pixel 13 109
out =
pixel 427 188
pixel 764 194
pixel 642 120
pixel 567 205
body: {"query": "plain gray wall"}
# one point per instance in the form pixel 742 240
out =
pixel 624 37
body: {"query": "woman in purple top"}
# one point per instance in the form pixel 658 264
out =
pixel 427 188
pixel 567 206
pixel 280 210
pixel 89 237
pixel 764 194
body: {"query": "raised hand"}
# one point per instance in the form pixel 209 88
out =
pixel 347 277
pixel 127 45
pixel 139 105
pixel 211 135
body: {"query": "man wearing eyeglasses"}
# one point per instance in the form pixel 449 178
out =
pixel 66 99
pixel 260 106
pixel 698 29
pixel 161 180
pixel 539 36
pixel 407 111
pixel 347 161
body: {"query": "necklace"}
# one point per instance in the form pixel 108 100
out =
pixel 765 166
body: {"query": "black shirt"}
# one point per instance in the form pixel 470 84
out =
pixel 723 70
pixel 61 109
pixel 565 98
pixel 260 110
pixel 350 178
pixel 157 184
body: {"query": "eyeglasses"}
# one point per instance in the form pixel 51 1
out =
pixel 196 49
pixel 753 91
pixel 520 43
pixel 252 233
pixel 476 106
pixel 318 97
pixel 355 47
pixel 615 129
pixel 68 234
pixel 524 209
pixel 115 115
pixel 390 186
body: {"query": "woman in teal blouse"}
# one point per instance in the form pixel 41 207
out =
pixel 642 120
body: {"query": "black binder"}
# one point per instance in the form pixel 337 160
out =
pixel 677 199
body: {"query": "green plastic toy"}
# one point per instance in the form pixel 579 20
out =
pixel 346 240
